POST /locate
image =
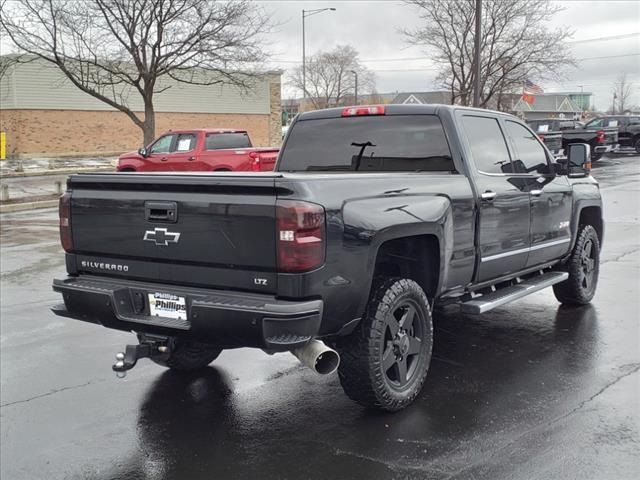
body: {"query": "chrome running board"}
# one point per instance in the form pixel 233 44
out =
pixel 489 301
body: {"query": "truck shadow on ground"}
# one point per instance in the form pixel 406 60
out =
pixel 489 375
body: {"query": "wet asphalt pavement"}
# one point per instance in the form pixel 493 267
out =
pixel 528 391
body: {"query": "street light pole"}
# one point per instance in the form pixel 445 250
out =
pixel 355 74
pixel 476 54
pixel 305 14
pixel 304 66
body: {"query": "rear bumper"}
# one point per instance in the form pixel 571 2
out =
pixel 606 148
pixel 227 319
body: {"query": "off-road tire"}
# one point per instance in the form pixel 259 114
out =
pixel 361 371
pixel 187 356
pixel 583 267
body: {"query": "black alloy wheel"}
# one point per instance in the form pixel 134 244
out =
pixel 583 267
pixel 588 264
pixel 384 362
pixel 402 345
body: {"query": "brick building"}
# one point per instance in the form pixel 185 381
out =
pixel 42 113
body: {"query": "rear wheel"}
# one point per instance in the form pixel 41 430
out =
pixel 384 362
pixel 583 267
pixel 187 356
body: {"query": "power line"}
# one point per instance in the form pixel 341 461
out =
pixel 402 59
pixel 600 39
pixel 603 57
pixel 609 56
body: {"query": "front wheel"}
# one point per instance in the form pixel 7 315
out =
pixel 583 267
pixel 384 362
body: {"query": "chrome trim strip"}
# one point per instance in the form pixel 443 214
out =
pixel 552 243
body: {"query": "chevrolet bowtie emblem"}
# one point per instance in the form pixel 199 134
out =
pixel 162 237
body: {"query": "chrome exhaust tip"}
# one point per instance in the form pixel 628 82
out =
pixel 318 357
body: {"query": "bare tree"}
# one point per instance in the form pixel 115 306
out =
pixel 331 78
pixel 622 91
pixel 515 44
pixel 121 50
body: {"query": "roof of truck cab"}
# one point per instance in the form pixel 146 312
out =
pixel 206 130
pixel 396 109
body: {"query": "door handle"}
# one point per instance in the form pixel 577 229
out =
pixel 191 159
pixel 161 211
pixel 164 159
pixel 535 193
pixel 488 196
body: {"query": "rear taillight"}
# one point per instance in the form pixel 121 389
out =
pixel 541 137
pixel 600 136
pixel 358 111
pixel 65 222
pixel 254 160
pixel 300 236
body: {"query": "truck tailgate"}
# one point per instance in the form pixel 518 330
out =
pixel 160 224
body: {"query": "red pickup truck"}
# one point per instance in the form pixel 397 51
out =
pixel 206 149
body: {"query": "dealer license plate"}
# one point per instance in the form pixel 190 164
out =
pixel 167 305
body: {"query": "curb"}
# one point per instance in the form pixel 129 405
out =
pixel 20 207
pixel 57 171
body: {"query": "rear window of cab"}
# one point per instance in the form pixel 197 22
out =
pixel 380 143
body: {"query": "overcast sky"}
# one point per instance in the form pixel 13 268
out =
pixel 372 28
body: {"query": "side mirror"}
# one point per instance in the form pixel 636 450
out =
pixel 578 160
pixel 561 166
pixel 143 152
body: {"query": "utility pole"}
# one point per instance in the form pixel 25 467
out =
pixel 304 66
pixel 476 54
pixel 305 14
pixel 355 74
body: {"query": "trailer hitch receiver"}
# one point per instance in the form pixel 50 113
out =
pixel 127 360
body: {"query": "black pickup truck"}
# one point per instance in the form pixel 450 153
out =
pixel 602 139
pixel 373 217
pixel 628 127
pixel 550 132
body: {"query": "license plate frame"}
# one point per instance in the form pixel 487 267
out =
pixel 167 305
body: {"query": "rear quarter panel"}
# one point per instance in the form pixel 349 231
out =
pixel 227 159
pixel 365 210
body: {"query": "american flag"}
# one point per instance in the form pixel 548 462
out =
pixel 530 87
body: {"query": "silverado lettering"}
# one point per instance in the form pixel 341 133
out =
pixel 373 216
pixel 105 266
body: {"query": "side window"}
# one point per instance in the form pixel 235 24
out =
pixel 163 144
pixel 488 146
pixel 186 142
pixel 531 155
pixel 595 123
pixel 220 141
